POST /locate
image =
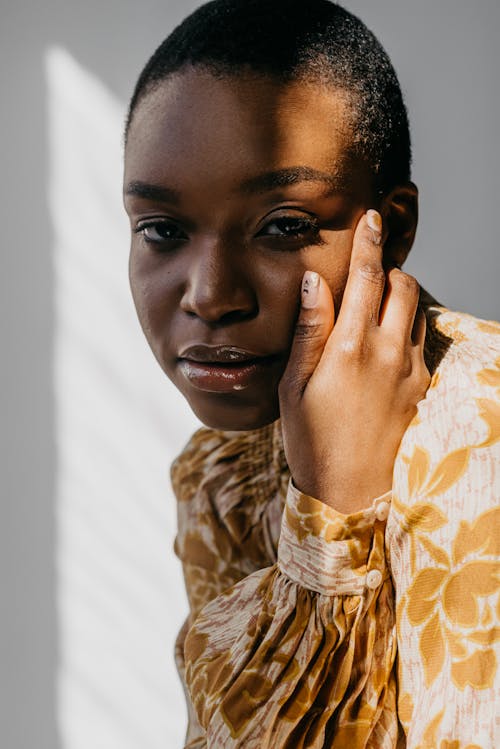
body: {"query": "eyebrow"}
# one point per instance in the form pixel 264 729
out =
pixel 144 190
pixel 260 183
pixel 289 176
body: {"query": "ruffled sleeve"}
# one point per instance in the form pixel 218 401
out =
pixel 301 653
pixel 229 489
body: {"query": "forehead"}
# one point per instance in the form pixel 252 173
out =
pixel 194 121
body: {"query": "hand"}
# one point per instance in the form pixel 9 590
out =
pixel 351 386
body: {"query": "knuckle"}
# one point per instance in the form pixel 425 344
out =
pixel 308 331
pixel 406 282
pixel 353 348
pixel 284 388
pixel 406 368
pixel 418 378
pixel 287 387
pixel 392 358
pixel 423 379
pixel 372 273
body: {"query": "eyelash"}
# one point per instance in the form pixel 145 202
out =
pixel 143 227
pixel 311 224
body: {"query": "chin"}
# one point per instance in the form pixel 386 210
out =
pixel 232 415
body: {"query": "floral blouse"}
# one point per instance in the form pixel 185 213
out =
pixel 376 630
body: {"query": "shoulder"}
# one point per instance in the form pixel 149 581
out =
pixel 459 344
pixel 457 426
pixel 467 364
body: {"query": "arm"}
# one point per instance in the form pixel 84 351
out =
pixel 447 537
pixel 195 735
pixel 328 629
pixel 211 556
pixel 304 649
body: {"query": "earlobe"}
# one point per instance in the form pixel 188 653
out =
pixel 399 210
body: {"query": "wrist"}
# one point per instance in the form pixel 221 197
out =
pixel 346 497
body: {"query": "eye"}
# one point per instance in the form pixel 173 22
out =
pixel 158 232
pixel 294 227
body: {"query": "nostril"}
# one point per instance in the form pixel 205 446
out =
pixel 226 304
pixel 237 315
pixel 216 316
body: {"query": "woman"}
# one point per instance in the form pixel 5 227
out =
pixel 340 508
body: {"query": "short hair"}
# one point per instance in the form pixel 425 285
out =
pixel 297 40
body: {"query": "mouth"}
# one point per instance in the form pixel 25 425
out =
pixel 223 369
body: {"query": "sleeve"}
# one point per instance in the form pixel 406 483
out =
pixel 210 563
pixel 195 735
pixel 301 653
pixel 446 502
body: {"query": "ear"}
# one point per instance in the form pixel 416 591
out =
pixel 399 211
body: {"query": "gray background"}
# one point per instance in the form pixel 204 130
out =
pixel 446 55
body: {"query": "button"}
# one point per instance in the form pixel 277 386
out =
pixel 382 510
pixel 373 579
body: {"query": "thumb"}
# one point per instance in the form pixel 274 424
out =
pixel 314 325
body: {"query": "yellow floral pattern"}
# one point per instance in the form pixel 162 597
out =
pixel 430 740
pixel 309 628
pixel 446 502
pixel 445 599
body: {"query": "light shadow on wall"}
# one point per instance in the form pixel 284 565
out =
pixel 118 424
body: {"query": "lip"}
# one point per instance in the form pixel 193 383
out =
pixel 223 369
pixel 220 354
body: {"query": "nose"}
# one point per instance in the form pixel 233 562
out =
pixel 218 286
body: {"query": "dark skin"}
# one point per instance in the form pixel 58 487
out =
pixel 223 260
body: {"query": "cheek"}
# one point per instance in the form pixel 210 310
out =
pixel 278 290
pixel 152 294
pixel 279 282
pixel 332 261
pixel 337 285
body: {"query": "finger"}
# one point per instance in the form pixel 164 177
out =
pixel 397 313
pixel 366 280
pixel 314 325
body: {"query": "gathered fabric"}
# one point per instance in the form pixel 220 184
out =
pixel 375 630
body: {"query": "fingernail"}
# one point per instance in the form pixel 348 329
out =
pixel 310 289
pixel 374 221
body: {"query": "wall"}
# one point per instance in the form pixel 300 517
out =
pixel 446 54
